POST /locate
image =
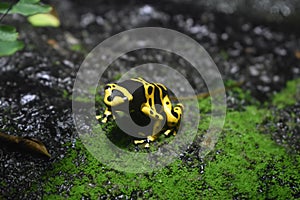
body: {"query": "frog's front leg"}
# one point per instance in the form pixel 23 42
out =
pixel 157 124
pixel 147 110
pixel 155 133
pixel 107 114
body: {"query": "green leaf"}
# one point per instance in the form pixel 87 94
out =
pixel 30 9
pixel 29 1
pixel 44 20
pixel 10 47
pixel 3 7
pixel 8 33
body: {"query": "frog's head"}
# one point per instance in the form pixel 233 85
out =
pixel 115 95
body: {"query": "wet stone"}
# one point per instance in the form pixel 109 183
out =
pixel 254 71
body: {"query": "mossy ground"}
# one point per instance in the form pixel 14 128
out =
pixel 246 164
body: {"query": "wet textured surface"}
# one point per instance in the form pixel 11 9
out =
pixel 284 127
pixel 35 84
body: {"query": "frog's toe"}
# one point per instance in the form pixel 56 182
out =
pixel 147 145
pixel 150 138
pixel 146 142
pixel 167 132
pixel 139 141
pixel 104 120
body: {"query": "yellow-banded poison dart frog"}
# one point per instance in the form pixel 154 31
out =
pixel 147 101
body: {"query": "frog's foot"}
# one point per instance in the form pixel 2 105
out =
pixel 139 141
pixel 106 115
pixel 167 132
pixel 147 145
pixel 147 141
pixel 151 138
pixel 104 120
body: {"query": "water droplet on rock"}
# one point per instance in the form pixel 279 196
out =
pixel 146 10
pixel 253 71
pixel 280 51
pixel 28 98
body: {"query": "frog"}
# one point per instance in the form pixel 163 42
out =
pixel 147 101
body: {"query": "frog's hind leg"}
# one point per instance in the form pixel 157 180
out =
pixel 151 138
pixel 147 110
pixel 173 130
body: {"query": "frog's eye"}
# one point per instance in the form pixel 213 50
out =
pixel 106 87
pixel 109 98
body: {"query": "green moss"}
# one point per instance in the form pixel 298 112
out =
pixel 245 164
pixel 224 55
pixel 78 48
pixel 289 95
pixel 54 197
pixel 177 182
pixel 66 94
pixel 204 105
pixel 85 98
pixel 84 176
pixel 116 77
pixel 82 99
pixel 249 164
pixel 2 184
pixel 240 97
